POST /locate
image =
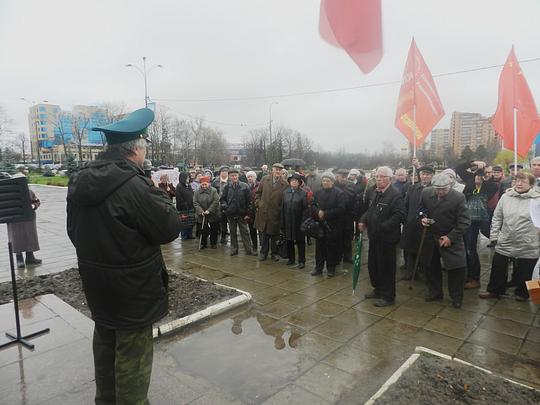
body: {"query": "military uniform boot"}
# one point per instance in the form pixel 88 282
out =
pixel 20 260
pixel 31 259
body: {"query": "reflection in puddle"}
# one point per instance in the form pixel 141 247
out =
pixel 270 327
pixel 249 355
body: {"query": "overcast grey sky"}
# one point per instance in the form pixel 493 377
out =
pixel 73 52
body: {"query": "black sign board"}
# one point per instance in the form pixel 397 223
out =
pixel 15 204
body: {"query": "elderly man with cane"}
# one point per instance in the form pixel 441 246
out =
pixel 446 219
pixel 412 229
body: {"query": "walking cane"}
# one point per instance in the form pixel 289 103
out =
pixel 202 231
pixel 416 262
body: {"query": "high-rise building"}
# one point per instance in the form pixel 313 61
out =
pixel 55 133
pixel 41 122
pixel 472 130
pixel 440 142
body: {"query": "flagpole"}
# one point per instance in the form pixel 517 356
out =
pixel 515 141
pixel 414 144
pixel 414 115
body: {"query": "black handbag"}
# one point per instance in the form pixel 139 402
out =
pixel 188 218
pixel 312 228
pixel 477 206
pixel 281 245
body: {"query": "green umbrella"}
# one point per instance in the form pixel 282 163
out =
pixel 356 261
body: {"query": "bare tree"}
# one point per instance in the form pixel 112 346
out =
pixel 182 141
pixel 63 126
pixel 159 133
pixel 197 130
pixel 23 144
pixel 80 122
pixel 212 147
pixel 111 112
pixel 255 144
pixel 6 134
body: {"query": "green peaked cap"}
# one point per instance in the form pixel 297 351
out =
pixel 129 128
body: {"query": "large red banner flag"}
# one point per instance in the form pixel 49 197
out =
pixel 419 106
pixel 514 93
pixel 356 27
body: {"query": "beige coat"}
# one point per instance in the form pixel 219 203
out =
pixel 268 201
pixel 512 226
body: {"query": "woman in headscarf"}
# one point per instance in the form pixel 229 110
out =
pixel 294 211
pixel 206 203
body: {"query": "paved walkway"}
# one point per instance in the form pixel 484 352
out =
pixel 304 340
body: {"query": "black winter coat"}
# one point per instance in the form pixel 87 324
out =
pixel 349 194
pixel 412 229
pixel 384 215
pixel 451 220
pixel 117 219
pixel 294 210
pixel 184 194
pixel 235 199
pixel 331 201
pixel 359 190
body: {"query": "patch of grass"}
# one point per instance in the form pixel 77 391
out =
pixel 61 181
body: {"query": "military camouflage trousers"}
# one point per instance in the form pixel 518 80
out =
pixel 123 365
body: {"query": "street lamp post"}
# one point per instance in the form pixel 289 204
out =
pixel 270 129
pixel 36 119
pixel 144 72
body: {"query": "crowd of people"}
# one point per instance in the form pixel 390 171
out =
pixel 434 220
pixel 117 219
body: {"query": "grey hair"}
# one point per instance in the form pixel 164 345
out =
pixel 535 159
pixel 385 170
pixel 126 149
pixel 401 170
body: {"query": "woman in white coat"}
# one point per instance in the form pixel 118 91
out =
pixel 516 238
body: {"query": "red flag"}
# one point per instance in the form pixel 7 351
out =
pixel 418 92
pixel 356 27
pixel 514 93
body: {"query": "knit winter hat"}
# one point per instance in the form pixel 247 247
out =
pixel 329 175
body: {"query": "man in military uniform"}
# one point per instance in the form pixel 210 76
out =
pixel 117 219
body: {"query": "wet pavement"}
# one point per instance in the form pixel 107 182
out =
pixel 303 340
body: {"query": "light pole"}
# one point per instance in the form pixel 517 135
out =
pixel 270 130
pixel 36 120
pixel 144 74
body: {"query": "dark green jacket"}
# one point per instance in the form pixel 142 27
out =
pixel 206 200
pixel 117 219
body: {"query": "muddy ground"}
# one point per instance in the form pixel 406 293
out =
pixel 187 295
pixel 432 380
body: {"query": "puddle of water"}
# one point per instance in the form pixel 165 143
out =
pixel 250 355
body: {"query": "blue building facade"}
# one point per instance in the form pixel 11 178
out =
pixel 65 126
